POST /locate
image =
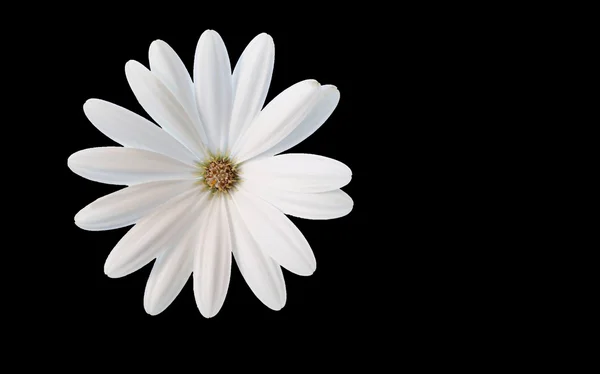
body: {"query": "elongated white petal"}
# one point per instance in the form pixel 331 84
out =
pixel 160 103
pixel 298 172
pixel 275 234
pixel 212 80
pixel 212 261
pixel 124 166
pixel 169 68
pixel 277 120
pixel 263 275
pixel 134 131
pixel 330 96
pixel 251 80
pixel 322 205
pixel 125 207
pixel 171 271
pixel 153 234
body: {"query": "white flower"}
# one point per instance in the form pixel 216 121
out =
pixel 207 183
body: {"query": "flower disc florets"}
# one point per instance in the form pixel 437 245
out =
pixel 219 174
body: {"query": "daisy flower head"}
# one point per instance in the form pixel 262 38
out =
pixel 209 184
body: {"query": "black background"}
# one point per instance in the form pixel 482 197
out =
pixel 383 270
pixel 423 267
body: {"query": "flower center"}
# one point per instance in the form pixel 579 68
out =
pixel 220 174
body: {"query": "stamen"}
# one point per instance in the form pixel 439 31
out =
pixel 220 174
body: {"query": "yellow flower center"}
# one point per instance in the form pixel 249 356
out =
pixel 219 174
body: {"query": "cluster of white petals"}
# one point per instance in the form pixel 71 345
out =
pixel 186 227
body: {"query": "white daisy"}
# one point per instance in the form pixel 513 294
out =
pixel 207 183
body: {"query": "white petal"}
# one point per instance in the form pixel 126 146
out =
pixel 322 205
pixel 160 103
pixel 170 273
pixel 212 261
pixel 153 234
pixel 125 207
pixel 212 79
pixel 298 172
pixel 134 131
pixel 169 68
pixel 330 96
pixel 277 120
pixel 251 80
pixel 275 234
pixel 123 166
pixel 263 275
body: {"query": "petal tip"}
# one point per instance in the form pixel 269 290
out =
pixel 110 275
pixel 89 102
pixel 209 33
pixel 130 65
pixel 313 82
pixel 265 36
pixel 208 315
pixel 307 272
pixel 83 221
pixel 276 306
pixel 77 220
pixel 109 269
pixel 151 309
pixel 72 162
pixel 155 46
pixel 209 311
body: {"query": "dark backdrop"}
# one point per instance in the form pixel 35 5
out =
pixel 421 269
pixel 390 268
